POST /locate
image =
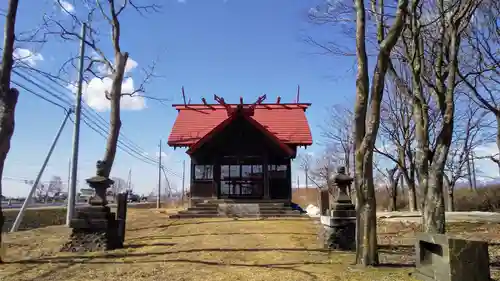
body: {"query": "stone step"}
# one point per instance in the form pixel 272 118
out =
pixel 246 201
pixel 193 216
pixel 262 207
pixel 250 210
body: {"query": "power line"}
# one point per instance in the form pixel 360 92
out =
pixel 38 95
pixel 91 118
pixel 87 109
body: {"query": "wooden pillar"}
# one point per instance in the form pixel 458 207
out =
pixel 324 201
pixel 216 177
pixel 265 170
pixel 121 217
pixel 289 178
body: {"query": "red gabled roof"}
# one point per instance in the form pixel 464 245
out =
pixel 287 122
pixel 252 121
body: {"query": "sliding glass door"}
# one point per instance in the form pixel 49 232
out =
pixel 241 181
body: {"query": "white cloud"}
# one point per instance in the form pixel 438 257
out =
pixel 94 93
pixel 488 149
pixel 487 167
pixel 27 56
pixel 65 6
pixel 104 69
pixel 163 154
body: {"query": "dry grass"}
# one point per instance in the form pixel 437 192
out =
pixel 219 249
pixel 162 249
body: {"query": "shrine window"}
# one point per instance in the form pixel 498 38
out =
pixel 203 172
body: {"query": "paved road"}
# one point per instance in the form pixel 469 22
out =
pixel 51 205
pixel 18 205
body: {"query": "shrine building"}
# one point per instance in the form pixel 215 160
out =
pixel 241 151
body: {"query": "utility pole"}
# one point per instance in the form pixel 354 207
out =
pixel 20 215
pixel 183 179
pixel 129 181
pixel 158 200
pixel 69 173
pixel 76 133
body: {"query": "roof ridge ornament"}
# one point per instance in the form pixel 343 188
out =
pixel 240 108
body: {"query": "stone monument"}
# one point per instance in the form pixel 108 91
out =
pixel 95 227
pixel 442 257
pixel 339 227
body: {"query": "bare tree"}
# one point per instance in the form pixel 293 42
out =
pixel 118 186
pixel 305 162
pixel 366 126
pixel 480 67
pixel 323 170
pixel 389 179
pixel 8 95
pixel 468 134
pixel 41 192
pixel 101 66
pixel 337 134
pixel 431 44
pixel 397 136
pixel 387 29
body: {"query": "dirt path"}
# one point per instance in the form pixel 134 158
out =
pixel 210 249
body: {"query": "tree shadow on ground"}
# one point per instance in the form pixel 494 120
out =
pixel 169 236
pixel 182 222
pixel 35 266
pixel 143 245
pixel 57 259
pixel 98 260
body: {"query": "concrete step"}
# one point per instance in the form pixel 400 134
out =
pixel 262 213
pixel 246 201
pixel 265 207
pixel 274 204
pixel 194 216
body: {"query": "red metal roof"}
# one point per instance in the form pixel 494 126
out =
pixel 287 122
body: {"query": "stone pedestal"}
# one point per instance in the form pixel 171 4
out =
pixel 339 228
pixel 338 234
pixel 95 227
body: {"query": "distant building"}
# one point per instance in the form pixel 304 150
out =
pixel 86 194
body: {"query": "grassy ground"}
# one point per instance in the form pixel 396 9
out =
pixel 219 249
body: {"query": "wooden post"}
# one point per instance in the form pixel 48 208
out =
pixel 121 217
pixel 324 201
pixel 265 171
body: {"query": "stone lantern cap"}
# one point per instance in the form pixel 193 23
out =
pixel 341 178
pixel 99 180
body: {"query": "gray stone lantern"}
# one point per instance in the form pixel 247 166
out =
pixel 339 229
pixel 95 227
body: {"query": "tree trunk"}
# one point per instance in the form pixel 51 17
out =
pixel 393 176
pixel 449 187
pixel 115 121
pixel 469 172
pixel 366 129
pixel 433 212
pixel 8 99
pixel 498 141
pixel 366 218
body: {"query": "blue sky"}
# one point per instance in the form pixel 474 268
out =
pixel 232 48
